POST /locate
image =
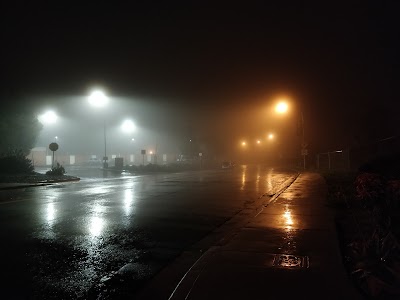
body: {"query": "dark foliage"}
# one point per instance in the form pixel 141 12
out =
pixel 15 162
pixel 56 170
pixel 369 230
pixel 388 166
pixel 19 129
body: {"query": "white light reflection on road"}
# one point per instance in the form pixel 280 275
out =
pixel 96 222
pixel 129 198
pixel 128 201
pixel 96 226
pixel 51 213
pixel 48 213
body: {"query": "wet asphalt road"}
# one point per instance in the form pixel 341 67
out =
pixel 59 241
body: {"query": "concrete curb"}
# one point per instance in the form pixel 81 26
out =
pixel 14 186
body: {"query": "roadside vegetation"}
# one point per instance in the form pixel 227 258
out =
pixel 15 162
pixel 15 167
pixel 368 223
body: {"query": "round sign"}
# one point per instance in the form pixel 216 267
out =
pixel 53 146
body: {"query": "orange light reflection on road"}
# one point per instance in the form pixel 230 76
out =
pixel 288 218
pixel 243 178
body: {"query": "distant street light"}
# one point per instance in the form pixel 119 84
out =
pixel 48 117
pixel 270 136
pixel 128 126
pixel 98 98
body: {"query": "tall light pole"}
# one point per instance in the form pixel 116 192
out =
pixel 303 142
pixel 282 108
pixel 98 99
pixel 47 119
pixel 128 127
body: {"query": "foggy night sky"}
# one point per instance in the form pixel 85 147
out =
pixel 211 71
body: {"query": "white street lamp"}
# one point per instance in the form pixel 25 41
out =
pixel 128 126
pixel 48 117
pixel 98 98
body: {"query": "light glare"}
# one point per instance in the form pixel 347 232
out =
pixel 48 117
pixel 98 98
pixel 128 126
pixel 281 107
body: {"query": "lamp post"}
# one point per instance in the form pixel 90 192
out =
pixel 47 119
pixel 98 98
pixel 282 108
pixel 304 150
pixel 128 127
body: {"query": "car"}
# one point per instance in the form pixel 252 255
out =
pixel 94 161
pixel 227 165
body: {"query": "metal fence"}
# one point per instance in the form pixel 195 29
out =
pixel 356 156
pixel 334 160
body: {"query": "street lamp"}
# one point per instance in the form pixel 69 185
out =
pixel 128 126
pixel 48 117
pixel 282 108
pixel 98 98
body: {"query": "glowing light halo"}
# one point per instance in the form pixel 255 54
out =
pixel 98 98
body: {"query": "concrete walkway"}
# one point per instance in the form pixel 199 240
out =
pixel 288 250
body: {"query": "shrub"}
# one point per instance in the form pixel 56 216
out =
pixel 370 189
pixel 57 170
pixel 15 162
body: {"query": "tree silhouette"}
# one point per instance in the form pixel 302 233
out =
pixel 19 129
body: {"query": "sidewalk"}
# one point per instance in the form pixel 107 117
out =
pixel 289 250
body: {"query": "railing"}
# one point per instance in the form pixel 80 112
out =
pixel 354 157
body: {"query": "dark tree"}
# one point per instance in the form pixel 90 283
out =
pixel 19 129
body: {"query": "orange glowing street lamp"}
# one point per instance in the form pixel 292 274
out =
pixel 281 107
